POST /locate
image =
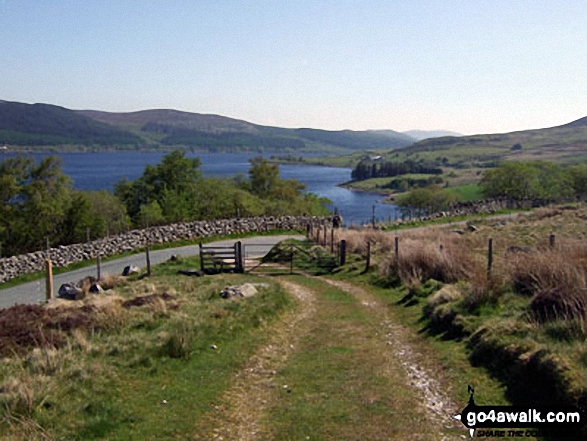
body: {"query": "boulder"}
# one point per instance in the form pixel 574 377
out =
pixel 69 291
pixel 130 270
pixel 96 288
pixel 242 291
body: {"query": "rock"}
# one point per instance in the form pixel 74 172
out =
pixel 229 292
pixel 69 291
pixel 130 269
pixel 248 290
pixel 191 272
pixel 472 228
pixel 95 288
pixel 240 291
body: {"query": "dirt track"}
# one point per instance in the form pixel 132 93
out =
pixel 383 367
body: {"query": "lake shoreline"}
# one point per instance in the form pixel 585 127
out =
pixel 101 170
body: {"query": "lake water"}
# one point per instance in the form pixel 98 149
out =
pixel 100 171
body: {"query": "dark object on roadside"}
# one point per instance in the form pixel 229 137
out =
pixel 191 272
pixel 472 228
pixel 130 269
pixel 96 288
pixel 69 291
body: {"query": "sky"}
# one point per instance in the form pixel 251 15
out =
pixel 471 66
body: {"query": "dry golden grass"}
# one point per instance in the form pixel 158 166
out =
pixel 554 278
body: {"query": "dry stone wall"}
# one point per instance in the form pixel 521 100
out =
pixel 64 255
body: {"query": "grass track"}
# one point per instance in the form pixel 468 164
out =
pixel 344 383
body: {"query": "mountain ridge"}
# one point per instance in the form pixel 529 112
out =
pixel 48 125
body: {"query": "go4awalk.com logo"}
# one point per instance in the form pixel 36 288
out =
pixel 506 421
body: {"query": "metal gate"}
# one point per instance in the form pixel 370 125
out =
pixel 287 257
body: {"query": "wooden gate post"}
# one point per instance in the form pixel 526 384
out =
pixel 49 280
pixel 342 252
pixel 332 240
pixel 201 259
pixel 238 255
pixel 396 251
pixel 551 239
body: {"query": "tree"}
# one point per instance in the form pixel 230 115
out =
pixel 427 200
pixel 150 215
pixel 263 176
pixel 107 212
pixel 169 184
pixel 527 180
pixel 578 176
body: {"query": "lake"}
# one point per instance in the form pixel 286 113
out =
pixel 100 171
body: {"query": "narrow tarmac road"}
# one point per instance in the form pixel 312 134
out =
pixel 34 292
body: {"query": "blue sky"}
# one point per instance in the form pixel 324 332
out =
pixel 471 66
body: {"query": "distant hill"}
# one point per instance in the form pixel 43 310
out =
pixel 426 134
pixel 214 132
pixel 577 123
pixel 566 144
pixel 45 125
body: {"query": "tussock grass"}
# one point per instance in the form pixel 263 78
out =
pixel 556 282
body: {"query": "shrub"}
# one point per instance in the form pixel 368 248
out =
pixel 556 281
pixel 420 261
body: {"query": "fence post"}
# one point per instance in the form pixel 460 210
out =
pixel 342 252
pixel 325 233
pixel 98 267
pixel 49 279
pixel 368 262
pixel 396 251
pixel 332 240
pixel 551 239
pixel 489 256
pixel 148 257
pixel 240 265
